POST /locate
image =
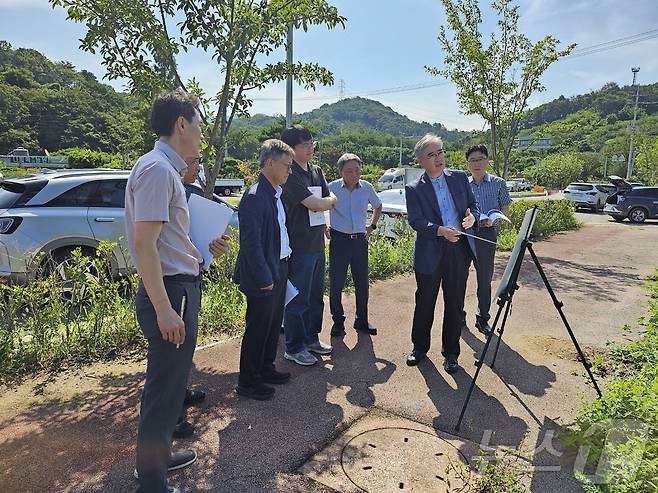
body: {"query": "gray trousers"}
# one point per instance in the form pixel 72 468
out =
pixel 484 266
pixel 167 372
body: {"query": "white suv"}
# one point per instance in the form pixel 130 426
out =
pixel 586 195
pixel 47 215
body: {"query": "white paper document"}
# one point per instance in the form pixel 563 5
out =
pixel 208 221
pixel 494 215
pixel 316 218
pixel 291 292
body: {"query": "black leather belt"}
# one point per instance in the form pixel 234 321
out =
pixel 184 277
pixel 351 236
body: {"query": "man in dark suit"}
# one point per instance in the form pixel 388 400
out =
pixel 261 271
pixel 440 206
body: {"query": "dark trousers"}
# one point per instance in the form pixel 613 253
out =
pixel 167 372
pixel 484 267
pixel 451 273
pixel 347 251
pixel 304 312
pixel 262 329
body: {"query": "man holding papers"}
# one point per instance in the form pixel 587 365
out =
pixel 491 195
pixel 261 271
pixel 305 194
pixel 440 206
pixel 168 298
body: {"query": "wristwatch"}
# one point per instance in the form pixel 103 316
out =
pixel 373 225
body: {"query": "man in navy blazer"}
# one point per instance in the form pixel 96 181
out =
pixel 261 271
pixel 440 206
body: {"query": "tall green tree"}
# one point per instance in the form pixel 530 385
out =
pixel 494 78
pixel 144 40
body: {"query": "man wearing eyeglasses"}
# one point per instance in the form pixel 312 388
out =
pixel 490 193
pixel 440 206
pixel 303 316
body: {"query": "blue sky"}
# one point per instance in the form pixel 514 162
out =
pixel 386 44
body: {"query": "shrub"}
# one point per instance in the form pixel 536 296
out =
pixel 553 216
pixel 86 158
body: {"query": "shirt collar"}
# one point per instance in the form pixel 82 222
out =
pixel 174 158
pixel 342 183
pixel 439 179
pixel 278 191
pixel 486 177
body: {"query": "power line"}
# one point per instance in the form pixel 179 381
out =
pixel 626 38
pixel 611 45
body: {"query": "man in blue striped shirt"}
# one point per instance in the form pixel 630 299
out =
pixel 490 193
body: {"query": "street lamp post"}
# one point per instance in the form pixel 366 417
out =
pixel 629 169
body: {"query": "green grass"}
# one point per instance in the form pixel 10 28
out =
pixel 628 401
pixel 232 200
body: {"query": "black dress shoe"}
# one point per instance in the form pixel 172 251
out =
pixel 194 397
pixel 178 460
pixel 276 377
pixel 450 365
pixel 260 392
pixel 484 328
pixel 415 357
pixel 184 429
pixel 337 330
pixel 366 329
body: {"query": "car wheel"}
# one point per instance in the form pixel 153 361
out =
pixel 227 192
pixel 637 215
pixel 68 277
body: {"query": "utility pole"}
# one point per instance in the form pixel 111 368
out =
pixel 629 168
pixel 341 94
pixel 400 165
pixel 289 78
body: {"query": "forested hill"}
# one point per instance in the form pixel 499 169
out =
pixel 47 105
pixel 611 101
pixel 361 114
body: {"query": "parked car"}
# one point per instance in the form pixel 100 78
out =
pixel 637 203
pixel 586 195
pixel 394 211
pixel 398 177
pixel 521 184
pixel 45 216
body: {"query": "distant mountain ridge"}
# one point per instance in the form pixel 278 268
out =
pixel 360 114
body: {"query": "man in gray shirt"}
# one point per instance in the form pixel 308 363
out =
pixel 490 193
pixel 349 241
pixel 168 298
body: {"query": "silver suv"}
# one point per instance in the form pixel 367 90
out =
pixel 46 215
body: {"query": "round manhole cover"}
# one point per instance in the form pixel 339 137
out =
pixel 402 459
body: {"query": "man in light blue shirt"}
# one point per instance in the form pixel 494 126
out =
pixel 349 242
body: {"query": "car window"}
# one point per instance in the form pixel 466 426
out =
pixel 579 187
pixel 83 195
pixel 111 193
pixel 644 192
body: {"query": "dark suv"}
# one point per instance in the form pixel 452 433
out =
pixel 635 203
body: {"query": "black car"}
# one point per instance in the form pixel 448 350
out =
pixel 637 203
